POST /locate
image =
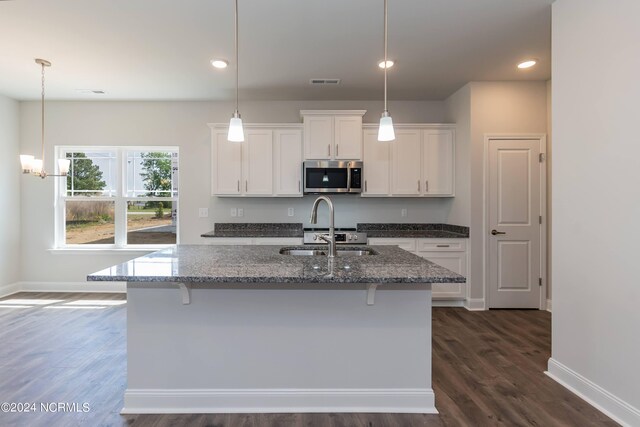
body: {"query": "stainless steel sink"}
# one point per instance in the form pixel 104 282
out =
pixel 303 252
pixel 321 252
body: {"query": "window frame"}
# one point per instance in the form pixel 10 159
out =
pixel 120 200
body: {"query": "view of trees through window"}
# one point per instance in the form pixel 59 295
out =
pixel 149 194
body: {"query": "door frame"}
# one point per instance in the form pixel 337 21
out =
pixel 542 138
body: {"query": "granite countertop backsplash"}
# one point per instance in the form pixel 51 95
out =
pixel 265 264
pixel 443 231
pixel 265 229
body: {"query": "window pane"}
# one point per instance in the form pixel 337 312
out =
pixel 91 173
pixel 89 222
pixel 151 223
pixel 152 174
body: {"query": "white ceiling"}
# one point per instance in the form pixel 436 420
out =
pixel 160 49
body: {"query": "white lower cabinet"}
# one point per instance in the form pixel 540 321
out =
pixel 448 253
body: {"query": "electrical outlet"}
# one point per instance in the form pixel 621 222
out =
pixel 240 212
pixel 291 212
pixel 203 212
pixel 403 213
pixel 234 212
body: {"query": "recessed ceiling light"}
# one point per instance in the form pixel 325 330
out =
pixel 389 64
pixel 527 64
pixel 219 63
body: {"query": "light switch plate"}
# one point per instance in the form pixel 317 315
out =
pixel 234 212
pixel 203 212
pixel 291 212
pixel 240 212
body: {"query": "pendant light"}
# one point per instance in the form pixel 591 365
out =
pixel 385 131
pixel 236 133
pixel 36 166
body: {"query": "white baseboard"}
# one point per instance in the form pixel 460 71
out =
pixel 203 401
pixel 476 304
pixel 549 305
pixel 11 288
pixel 447 303
pixel 612 406
pixel 107 287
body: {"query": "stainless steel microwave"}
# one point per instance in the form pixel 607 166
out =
pixel 332 176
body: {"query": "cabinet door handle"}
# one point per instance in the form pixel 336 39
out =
pixel 418 186
pixel 329 150
pixel 442 246
pixel 246 186
pixel 496 232
pixel 298 185
pixel 337 150
pixel 426 186
pixel 365 185
pixel 238 186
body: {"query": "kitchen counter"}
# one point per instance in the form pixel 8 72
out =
pixel 434 231
pixel 236 329
pixel 264 264
pixel 267 229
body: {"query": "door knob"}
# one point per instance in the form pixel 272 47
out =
pixel 496 232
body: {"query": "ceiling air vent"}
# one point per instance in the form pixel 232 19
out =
pixel 324 81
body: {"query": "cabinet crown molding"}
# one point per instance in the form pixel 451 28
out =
pixel 332 113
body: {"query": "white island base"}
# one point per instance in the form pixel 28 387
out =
pixel 239 348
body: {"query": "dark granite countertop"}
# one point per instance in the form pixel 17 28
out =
pixel 422 230
pixel 266 229
pixel 264 264
pixel 439 231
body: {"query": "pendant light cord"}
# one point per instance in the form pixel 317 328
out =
pixel 237 65
pixel 42 117
pixel 385 55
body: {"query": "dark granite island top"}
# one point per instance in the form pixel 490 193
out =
pixel 264 264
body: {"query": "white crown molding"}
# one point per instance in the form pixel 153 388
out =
pixel 332 113
pixel 258 125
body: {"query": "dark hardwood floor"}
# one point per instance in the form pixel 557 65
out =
pixel 70 348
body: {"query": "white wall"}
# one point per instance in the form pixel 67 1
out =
pixel 458 110
pixel 184 124
pixel 10 200
pixel 481 108
pixel 596 202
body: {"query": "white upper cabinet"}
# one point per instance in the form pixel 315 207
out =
pixel 257 162
pixel 419 163
pixel 438 157
pixel 377 165
pixel 332 135
pixel 405 163
pixel 268 163
pixel 226 162
pixel 288 162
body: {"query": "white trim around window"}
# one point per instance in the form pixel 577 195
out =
pixel 119 180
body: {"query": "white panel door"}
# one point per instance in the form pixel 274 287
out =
pixel 288 162
pixel 438 162
pixel 514 229
pixel 377 165
pixel 226 161
pixel 318 137
pixel 406 163
pixel 258 162
pixel 348 137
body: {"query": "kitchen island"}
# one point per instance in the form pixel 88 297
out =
pixel 248 329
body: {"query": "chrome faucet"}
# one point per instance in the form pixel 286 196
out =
pixel 331 237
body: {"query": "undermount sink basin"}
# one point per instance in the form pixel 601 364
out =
pixel 302 252
pixel 323 252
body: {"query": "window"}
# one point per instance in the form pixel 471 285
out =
pixel 118 197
